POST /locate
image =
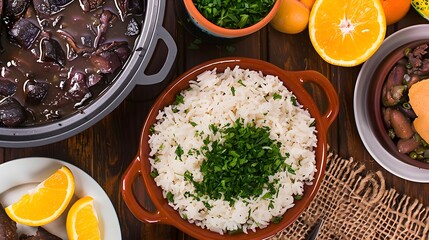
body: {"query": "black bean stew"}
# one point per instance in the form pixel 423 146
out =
pixel 398 116
pixel 57 55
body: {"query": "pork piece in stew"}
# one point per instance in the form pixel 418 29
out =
pixel 58 55
pixel 398 115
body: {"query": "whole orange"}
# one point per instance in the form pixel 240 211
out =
pixel 307 3
pixel 395 10
pixel 292 16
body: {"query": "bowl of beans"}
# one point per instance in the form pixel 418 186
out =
pixel 389 104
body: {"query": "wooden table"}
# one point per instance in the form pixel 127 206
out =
pixel 105 150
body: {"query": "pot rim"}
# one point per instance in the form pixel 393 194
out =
pixel 98 107
pixel 294 84
pixel 226 32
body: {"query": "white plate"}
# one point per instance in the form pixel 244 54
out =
pixel 19 176
pixel 360 104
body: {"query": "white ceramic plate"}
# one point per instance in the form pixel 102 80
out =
pixel 19 176
pixel 384 158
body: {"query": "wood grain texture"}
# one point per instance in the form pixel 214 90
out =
pixel 106 149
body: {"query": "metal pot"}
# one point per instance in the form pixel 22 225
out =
pixel 133 73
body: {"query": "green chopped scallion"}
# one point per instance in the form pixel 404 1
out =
pixel 232 13
pixel 241 82
pixel 233 91
pixel 170 197
pixel 277 219
pixel 293 100
pixel 240 165
pixel 179 99
pixel 179 152
pixel 277 96
pixel 154 173
pixel 297 197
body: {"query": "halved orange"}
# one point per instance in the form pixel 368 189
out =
pixel 347 32
pixel 82 220
pixel 46 202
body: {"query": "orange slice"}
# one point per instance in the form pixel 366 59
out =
pixel 82 220
pixel 46 202
pixel 348 32
pixel 419 97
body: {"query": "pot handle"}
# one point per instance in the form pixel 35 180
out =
pixel 160 34
pixel 138 210
pixel 320 80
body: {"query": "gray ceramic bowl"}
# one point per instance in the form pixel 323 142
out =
pixel 366 99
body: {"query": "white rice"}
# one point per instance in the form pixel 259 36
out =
pixel 210 100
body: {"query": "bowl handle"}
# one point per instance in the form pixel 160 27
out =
pixel 138 210
pixel 144 79
pixel 320 80
pixel 160 34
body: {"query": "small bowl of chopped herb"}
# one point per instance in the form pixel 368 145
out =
pixel 231 18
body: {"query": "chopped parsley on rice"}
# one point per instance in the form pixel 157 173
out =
pixel 198 133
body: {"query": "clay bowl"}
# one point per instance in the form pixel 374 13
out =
pixel 374 103
pixel 208 27
pixel 140 166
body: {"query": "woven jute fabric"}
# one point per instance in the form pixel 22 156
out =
pixel 355 204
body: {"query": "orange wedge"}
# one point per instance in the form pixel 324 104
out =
pixel 46 202
pixel 82 220
pixel 347 32
pixel 419 97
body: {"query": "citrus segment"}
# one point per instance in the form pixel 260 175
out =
pixel 46 202
pixel 82 220
pixel 346 33
pixel 419 96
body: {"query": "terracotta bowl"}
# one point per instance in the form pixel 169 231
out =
pixel 140 166
pixel 208 27
pixel 374 107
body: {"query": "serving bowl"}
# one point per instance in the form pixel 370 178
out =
pixel 131 74
pixel 367 104
pixel 212 29
pixel 141 167
pixel 375 94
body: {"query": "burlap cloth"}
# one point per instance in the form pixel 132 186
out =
pixel 356 205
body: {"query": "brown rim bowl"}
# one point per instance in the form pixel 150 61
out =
pixel 374 104
pixel 294 81
pixel 206 26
